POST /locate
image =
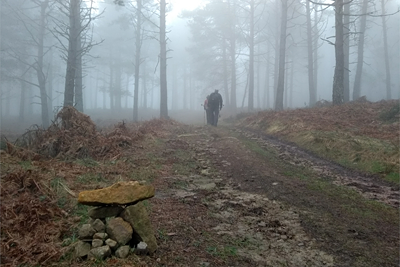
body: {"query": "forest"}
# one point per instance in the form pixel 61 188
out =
pixel 135 60
pixel 106 158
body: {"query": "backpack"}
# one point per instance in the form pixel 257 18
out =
pixel 213 100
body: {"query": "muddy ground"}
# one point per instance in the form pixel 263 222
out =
pixel 225 196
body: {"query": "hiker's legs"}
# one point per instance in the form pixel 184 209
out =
pixel 208 111
pixel 211 113
pixel 216 115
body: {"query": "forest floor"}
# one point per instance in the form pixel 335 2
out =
pixel 304 187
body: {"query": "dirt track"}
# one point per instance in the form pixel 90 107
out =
pixel 269 203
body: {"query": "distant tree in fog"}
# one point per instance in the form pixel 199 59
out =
pixel 76 33
pixel 360 50
pixel 35 26
pixel 163 62
pixel 386 52
pixel 282 57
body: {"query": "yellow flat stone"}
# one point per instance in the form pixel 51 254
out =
pixel 121 193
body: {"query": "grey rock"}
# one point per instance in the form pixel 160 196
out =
pixel 99 226
pixel 122 252
pixel 97 243
pixel 111 243
pixel 82 249
pixel 86 231
pixel 137 216
pixel 100 253
pixel 119 230
pixel 141 248
pixel 102 236
pixel 105 212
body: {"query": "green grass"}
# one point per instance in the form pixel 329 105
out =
pixel 82 212
pixel 393 177
pixel 88 162
pixel 25 164
pixel 143 174
pixel 89 178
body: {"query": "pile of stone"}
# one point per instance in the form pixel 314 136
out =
pixel 119 223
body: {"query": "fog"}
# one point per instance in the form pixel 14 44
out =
pixel 208 48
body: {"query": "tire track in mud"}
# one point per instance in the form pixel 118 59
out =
pixel 250 225
pixel 370 186
pixel 336 223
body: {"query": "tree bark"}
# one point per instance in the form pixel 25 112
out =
pixel 386 51
pixel 232 41
pixel 282 55
pixel 315 52
pixel 251 59
pixel 267 78
pixel 311 84
pixel 346 51
pixel 163 63
pixel 138 44
pixel 360 52
pixel 225 66
pixel 79 74
pixel 74 18
pixel 39 68
pixel 338 78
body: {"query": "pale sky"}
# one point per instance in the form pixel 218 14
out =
pixel 179 5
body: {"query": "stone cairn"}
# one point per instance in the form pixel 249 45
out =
pixel 118 223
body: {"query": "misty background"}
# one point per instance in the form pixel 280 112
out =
pixel 115 70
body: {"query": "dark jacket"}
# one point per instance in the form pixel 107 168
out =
pixel 215 101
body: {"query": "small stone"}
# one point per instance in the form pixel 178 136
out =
pixel 300 244
pixel 101 236
pixel 119 230
pixel 141 248
pixel 138 218
pixel 100 253
pixel 105 212
pixel 111 243
pixel 97 243
pixel 99 226
pixel 82 249
pixel 122 252
pixel 86 232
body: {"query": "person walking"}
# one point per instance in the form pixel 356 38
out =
pixel 207 110
pixel 215 105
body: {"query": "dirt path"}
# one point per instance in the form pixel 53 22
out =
pixel 256 201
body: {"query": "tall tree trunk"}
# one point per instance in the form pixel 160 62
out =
pixel 386 51
pixel 315 50
pixel 163 63
pixel 311 84
pixel 251 59
pixel 118 87
pixel 258 77
pixel 360 52
pixel 346 51
pixel 225 66
pixel 282 55
pixel 138 45
pixel 276 62
pixel 39 68
pixel 96 90
pixel 291 84
pixel 267 75
pixel 338 78
pixel 22 102
pixel 111 86
pixel 232 50
pixel 74 18
pixel 185 88
pixel 79 74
